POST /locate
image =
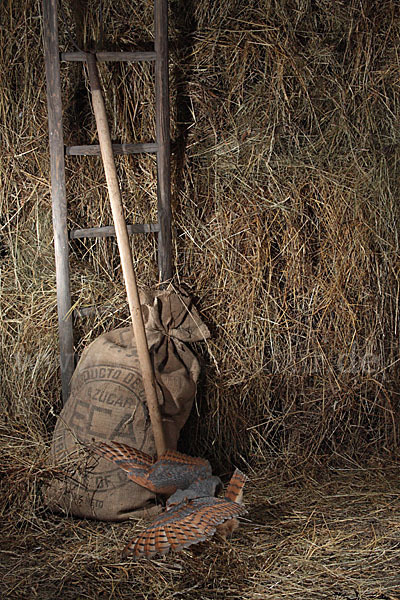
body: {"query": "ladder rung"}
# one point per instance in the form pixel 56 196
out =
pixel 109 231
pixel 87 311
pixel 94 149
pixel 110 56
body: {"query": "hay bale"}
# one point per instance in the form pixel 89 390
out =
pixel 286 217
pixel 285 127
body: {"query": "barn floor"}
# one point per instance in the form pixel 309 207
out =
pixel 333 535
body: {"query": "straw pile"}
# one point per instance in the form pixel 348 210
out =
pixel 338 538
pixel 285 127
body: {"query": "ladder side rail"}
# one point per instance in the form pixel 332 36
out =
pixel 163 139
pixel 58 193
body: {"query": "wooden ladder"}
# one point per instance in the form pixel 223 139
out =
pixel 161 147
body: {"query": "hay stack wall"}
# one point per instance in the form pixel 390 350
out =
pixel 285 127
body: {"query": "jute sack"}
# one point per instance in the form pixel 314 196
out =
pixel 107 402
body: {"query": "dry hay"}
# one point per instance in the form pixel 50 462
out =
pixel 285 126
pixel 285 137
pixel 335 536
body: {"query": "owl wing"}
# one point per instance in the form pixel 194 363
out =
pixel 175 470
pixel 234 491
pixel 187 523
pixel 134 462
pixel 171 471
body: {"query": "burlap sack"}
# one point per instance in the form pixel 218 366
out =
pixel 107 402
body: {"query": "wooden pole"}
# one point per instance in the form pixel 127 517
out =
pixel 163 139
pixel 126 255
pixel 58 193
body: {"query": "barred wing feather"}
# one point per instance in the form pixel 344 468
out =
pixel 183 525
pixel 171 471
pixel 234 491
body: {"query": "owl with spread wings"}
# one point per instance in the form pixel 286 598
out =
pixel 193 513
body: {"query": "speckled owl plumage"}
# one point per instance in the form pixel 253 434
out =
pixel 193 514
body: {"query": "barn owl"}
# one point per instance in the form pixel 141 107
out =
pixel 193 514
pixel 171 471
pixel 190 519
